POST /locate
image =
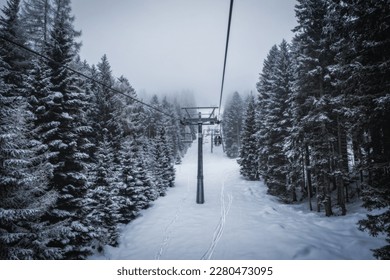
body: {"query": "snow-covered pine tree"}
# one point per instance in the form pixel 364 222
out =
pixel 333 37
pixel 293 147
pixel 232 125
pixel 313 100
pixel 151 124
pixel 265 87
pixel 136 186
pixel 104 200
pixel 134 128
pixel 13 169
pixel 105 119
pixel 172 125
pixel 65 106
pixel 108 106
pixel 23 195
pixel 11 28
pixel 283 122
pixel 86 131
pixel 162 165
pixel 37 18
pixel 248 153
pixel 153 118
pixel 90 87
pixel 39 92
pixel 274 121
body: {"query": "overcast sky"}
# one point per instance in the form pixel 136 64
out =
pixel 165 46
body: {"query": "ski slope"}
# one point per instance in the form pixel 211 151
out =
pixel 238 221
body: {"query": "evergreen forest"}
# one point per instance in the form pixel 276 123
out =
pixel 79 156
pixel 318 129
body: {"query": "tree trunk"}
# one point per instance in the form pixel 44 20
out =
pixel 340 196
pixel 46 22
pixel 342 166
pixel 327 197
pixel 308 176
pixel 292 184
pixel 328 206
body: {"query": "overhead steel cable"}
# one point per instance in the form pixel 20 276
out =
pixel 85 76
pixel 226 52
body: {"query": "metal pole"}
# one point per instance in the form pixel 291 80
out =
pixel 200 191
pixel 212 139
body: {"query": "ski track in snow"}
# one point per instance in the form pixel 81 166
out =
pixel 237 221
pixel 168 230
pixel 221 225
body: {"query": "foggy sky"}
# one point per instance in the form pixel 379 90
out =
pixel 165 46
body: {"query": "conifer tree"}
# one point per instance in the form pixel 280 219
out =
pixel 24 194
pixel 265 87
pixel 14 161
pixel 173 129
pixel 232 125
pixel 104 199
pixel 312 98
pixel 137 187
pixel 278 122
pixel 65 120
pixel 163 168
pixel 108 107
pixel 37 18
pixel 24 197
pixel 274 120
pixel 158 147
pixel 17 60
pixel 153 119
pixel 248 153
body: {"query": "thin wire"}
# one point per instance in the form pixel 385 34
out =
pixel 226 52
pixel 85 76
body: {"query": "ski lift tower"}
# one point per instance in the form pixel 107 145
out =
pixel 200 116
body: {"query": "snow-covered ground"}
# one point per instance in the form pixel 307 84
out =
pixel 238 221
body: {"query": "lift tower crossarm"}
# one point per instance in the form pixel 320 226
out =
pixel 194 119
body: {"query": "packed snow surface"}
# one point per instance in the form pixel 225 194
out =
pixel 237 221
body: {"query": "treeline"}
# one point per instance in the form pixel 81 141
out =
pixel 319 128
pixel 77 160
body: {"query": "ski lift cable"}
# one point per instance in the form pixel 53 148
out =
pixel 226 52
pixel 84 76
